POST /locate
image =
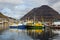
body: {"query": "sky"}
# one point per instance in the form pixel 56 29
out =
pixel 18 8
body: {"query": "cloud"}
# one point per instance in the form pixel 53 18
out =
pixel 11 1
pixel 36 3
pixel 18 8
pixel 8 12
pixel 56 6
pixel 12 13
pixel 52 2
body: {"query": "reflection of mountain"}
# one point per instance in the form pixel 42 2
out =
pixel 44 11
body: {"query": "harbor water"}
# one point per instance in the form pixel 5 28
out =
pixel 20 35
pixel 14 35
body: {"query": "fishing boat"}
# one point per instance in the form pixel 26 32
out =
pixel 37 29
pixel 56 25
pixel 13 27
pixel 21 26
pixel 34 29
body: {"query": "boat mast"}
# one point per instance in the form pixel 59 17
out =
pixel 42 19
pixel 28 19
pixel 34 18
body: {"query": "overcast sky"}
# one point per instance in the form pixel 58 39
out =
pixel 18 8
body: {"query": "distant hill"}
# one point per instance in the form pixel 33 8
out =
pixel 2 16
pixel 44 12
pixel 11 18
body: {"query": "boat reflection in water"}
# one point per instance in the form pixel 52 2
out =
pixel 34 30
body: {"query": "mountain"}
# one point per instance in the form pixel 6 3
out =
pixel 44 12
pixel 2 16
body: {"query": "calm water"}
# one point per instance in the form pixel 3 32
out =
pixel 14 35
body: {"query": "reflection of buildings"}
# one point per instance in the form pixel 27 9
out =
pixel 44 13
